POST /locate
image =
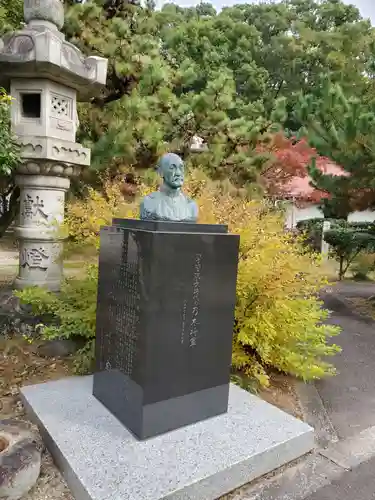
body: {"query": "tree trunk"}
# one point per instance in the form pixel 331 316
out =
pixel 341 270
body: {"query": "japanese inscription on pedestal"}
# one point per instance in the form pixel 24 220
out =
pixel 127 317
pixel 194 326
pixel 183 322
pixel 122 304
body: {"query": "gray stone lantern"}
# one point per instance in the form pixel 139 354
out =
pixel 46 75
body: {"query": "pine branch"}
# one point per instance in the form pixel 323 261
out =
pixel 121 86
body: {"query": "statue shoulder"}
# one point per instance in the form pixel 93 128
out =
pixel 147 205
pixel 193 207
pixel 150 198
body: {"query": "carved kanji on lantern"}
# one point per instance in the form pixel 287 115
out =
pixel 33 207
pixel 34 258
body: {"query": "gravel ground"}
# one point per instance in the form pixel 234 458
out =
pixel 50 485
pixel 19 366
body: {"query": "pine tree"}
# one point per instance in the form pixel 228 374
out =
pixel 343 129
pixel 11 15
pixel 152 103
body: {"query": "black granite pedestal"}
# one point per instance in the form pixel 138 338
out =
pixel 166 298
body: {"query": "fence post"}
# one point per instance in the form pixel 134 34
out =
pixel 325 246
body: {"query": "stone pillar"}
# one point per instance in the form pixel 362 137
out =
pixel 39 230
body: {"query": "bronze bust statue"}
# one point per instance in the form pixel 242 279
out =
pixel 169 203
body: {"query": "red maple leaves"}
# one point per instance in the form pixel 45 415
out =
pixel 285 174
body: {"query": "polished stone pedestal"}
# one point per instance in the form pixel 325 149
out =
pixel 165 315
pixel 102 460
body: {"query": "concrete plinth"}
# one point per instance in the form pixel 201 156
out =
pixel 102 460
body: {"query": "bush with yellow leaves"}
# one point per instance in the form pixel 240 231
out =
pixel 85 217
pixel 278 318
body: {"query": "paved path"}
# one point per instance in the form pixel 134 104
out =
pixel 342 469
pixel 349 397
pixel 357 484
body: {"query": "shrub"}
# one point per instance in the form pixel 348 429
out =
pixel 348 241
pixel 312 230
pixel 362 266
pixel 84 217
pixel 73 309
pixel 278 318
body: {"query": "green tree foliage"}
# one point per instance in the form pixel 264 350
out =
pixel 9 159
pixel 312 230
pixel 228 77
pixel 11 15
pixel 342 128
pixel 303 39
pixel 153 103
pixel 8 148
pixel 351 243
pixel 273 49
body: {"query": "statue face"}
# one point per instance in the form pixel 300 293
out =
pixel 172 170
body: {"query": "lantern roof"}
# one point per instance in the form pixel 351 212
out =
pixel 40 51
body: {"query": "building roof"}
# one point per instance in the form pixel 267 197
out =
pixel 300 189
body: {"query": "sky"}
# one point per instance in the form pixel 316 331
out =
pixel 367 7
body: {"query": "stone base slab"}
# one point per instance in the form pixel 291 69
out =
pixel 102 460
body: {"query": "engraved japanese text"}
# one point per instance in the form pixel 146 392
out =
pixel 33 207
pixel 34 258
pixel 194 326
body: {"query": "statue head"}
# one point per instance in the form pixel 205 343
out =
pixel 171 168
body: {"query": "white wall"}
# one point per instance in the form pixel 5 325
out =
pixel 295 214
pixel 364 216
